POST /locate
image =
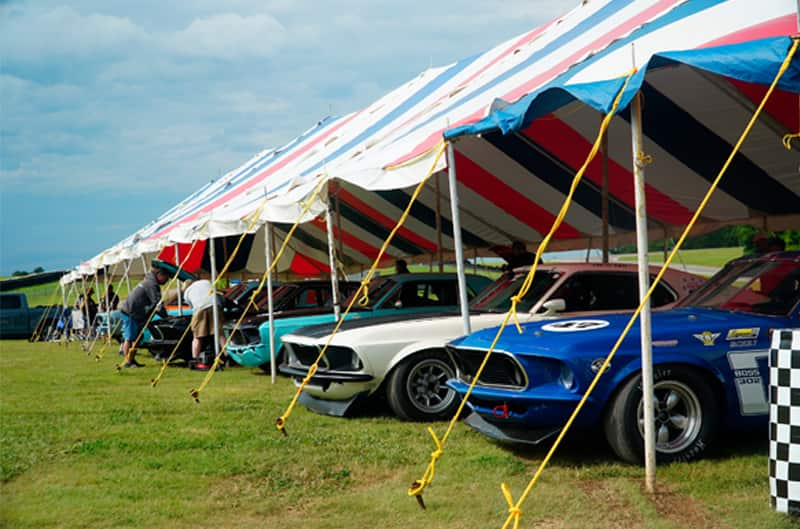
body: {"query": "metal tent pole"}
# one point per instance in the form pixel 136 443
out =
pixel 180 294
pixel 128 275
pixel 214 307
pixel 644 286
pixel 108 309
pixel 604 193
pixel 332 258
pixel 462 279
pixel 268 255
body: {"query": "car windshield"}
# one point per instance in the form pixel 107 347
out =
pixel 377 289
pixel 763 287
pixel 497 296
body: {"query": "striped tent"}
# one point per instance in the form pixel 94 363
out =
pixel 521 133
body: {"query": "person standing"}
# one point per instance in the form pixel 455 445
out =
pixel 199 296
pixel 136 309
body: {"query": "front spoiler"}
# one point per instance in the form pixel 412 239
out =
pixel 324 379
pixel 336 408
pixel 509 433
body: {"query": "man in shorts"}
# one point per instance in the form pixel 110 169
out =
pixel 138 306
pixel 198 294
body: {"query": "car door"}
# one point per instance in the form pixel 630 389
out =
pixel 13 316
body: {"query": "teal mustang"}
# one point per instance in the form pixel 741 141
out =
pixel 399 294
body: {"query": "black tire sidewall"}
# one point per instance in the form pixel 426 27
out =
pixel 621 425
pixel 397 394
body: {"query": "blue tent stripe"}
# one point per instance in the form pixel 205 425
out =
pixel 559 177
pixel 703 152
pixel 395 114
pixel 427 216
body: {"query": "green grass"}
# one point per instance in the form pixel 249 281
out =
pixel 84 446
pixel 705 257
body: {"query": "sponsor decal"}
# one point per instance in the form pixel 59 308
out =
pixel 743 343
pixel 750 333
pixel 665 343
pixel 707 337
pixel 575 325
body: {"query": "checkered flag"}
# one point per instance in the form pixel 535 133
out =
pixel 784 421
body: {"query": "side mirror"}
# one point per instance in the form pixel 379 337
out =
pixel 553 306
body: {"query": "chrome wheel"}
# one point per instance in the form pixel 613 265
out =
pixel 426 388
pixel 678 416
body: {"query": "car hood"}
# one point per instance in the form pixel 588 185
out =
pixel 693 327
pixel 325 329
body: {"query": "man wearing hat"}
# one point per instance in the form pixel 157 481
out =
pixel 137 308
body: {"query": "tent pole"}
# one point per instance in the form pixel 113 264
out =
pixel 331 256
pixel 339 218
pixel 214 308
pixel 268 256
pixel 604 192
pixel 108 309
pixel 180 294
pixel 128 275
pixel 439 221
pixel 462 279
pixel 644 286
pixel 97 288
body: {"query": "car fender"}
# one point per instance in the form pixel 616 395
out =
pixel 634 367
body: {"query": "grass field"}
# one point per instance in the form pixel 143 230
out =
pixel 705 257
pixel 84 446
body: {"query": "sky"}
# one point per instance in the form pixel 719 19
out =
pixel 112 112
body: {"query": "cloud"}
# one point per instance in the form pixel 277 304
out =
pixel 33 34
pixel 229 36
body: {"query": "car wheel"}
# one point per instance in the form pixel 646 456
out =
pixel 416 388
pixel 686 416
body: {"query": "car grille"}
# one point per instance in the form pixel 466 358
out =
pixel 245 336
pixel 336 358
pixel 502 369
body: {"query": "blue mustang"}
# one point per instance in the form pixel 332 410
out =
pixel 710 366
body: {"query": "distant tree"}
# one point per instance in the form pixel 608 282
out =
pixel 18 273
pixel 38 270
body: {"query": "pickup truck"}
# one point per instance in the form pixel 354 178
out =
pixel 17 319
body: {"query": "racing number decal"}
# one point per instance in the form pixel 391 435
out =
pixel 750 384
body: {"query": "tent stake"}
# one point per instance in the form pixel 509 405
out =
pixel 462 279
pixel 644 286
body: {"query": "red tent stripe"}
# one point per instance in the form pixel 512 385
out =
pixel 507 198
pixel 348 239
pixel 572 148
pixel 384 220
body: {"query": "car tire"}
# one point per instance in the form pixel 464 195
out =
pixel 687 416
pixel 416 388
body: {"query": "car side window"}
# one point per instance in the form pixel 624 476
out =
pixel 428 294
pixel 602 291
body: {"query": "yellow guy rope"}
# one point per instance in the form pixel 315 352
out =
pixel 419 485
pixel 153 312
pixel 195 393
pixel 280 422
pixel 40 325
pixel 253 218
pixel 514 510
